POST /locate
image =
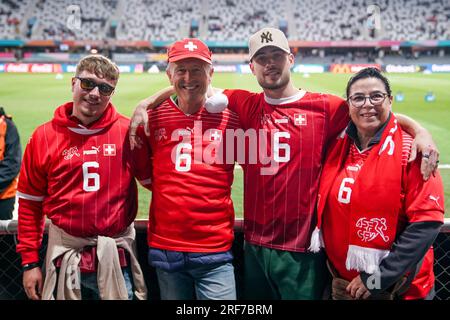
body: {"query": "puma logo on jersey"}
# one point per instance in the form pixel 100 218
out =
pixel 184 132
pixel 94 150
pixel 435 199
pixel 282 120
pixel 355 168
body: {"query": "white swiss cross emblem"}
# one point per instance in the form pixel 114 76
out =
pixel 190 46
pixel 300 119
pixel 109 150
pixel 215 135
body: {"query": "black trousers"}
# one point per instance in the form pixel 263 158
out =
pixel 7 208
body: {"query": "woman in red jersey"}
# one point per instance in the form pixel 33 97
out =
pixel 377 217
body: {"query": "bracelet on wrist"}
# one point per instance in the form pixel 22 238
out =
pixel 30 266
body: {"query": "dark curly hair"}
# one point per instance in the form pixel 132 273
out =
pixel 369 73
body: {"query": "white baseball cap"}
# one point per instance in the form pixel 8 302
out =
pixel 267 37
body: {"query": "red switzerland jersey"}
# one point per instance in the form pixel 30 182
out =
pixel 416 207
pixel 80 178
pixel 191 208
pixel 280 195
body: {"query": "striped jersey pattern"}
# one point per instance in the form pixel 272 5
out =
pixel 191 208
pixel 79 178
pixel 280 195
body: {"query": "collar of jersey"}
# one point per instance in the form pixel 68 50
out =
pixel 174 100
pixel 84 131
pixel 286 100
pixel 62 117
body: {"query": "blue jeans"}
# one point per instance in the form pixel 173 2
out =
pixel 89 286
pixel 209 282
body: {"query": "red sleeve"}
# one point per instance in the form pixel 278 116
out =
pixel 338 117
pixel 424 200
pixel 243 103
pixel 32 190
pixel 30 230
pixel 142 160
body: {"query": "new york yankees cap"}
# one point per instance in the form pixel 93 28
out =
pixel 189 48
pixel 267 37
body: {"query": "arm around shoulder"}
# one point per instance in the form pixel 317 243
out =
pixel 423 143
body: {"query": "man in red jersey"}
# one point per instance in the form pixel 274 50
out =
pixel 280 194
pixel 77 170
pixel 191 218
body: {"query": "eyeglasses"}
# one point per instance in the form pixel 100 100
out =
pixel 103 88
pixel 375 98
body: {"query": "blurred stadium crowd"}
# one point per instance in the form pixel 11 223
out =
pixel 310 20
pixel 320 23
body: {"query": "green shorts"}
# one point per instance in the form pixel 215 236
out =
pixel 272 274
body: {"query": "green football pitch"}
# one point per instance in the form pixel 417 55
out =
pixel 32 98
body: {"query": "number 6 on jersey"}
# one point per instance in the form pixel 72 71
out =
pixel 345 191
pixel 183 160
pixel 91 181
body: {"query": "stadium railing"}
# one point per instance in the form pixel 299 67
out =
pixel 11 273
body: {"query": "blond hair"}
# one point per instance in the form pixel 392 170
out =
pixel 99 65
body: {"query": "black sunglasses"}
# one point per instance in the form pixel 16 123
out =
pixel 88 84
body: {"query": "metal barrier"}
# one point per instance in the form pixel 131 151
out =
pixel 11 274
pixel 442 262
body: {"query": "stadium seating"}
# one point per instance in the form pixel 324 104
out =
pixel 53 21
pixel 10 15
pixel 320 20
pixel 236 20
pixel 149 20
pixel 313 20
pixel 48 20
